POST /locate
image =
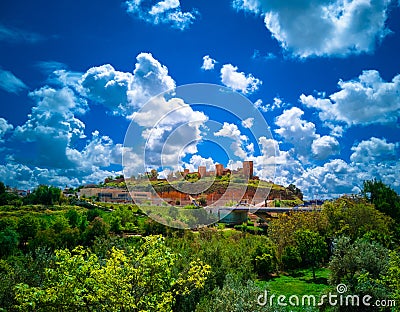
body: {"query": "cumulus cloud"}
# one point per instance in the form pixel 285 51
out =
pixel 325 146
pixel 197 160
pixel 10 83
pixel 171 129
pixel 52 126
pixel 302 135
pixel 208 63
pixel 374 150
pixel 232 131
pixel 5 126
pixel 45 145
pixel 162 12
pixel 365 100
pixel 238 81
pixel 49 147
pixel 248 123
pixel 124 92
pixel 150 78
pixel 295 130
pixel 334 178
pixel 105 85
pixel 322 28
pixel 278 103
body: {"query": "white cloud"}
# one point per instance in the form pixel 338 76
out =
pixel 197 160
pixel 10 83
pixel 124 92
pixel 4 128
pixel 295 130
pixel 323 28
pixel 334 178
pixel 325 146
pixel 278 103
pixel 150 79
pixel 172 129
pixel 238 81
pixel 162 12
pixel 105 85
pixel 248 123
pixel 366 100
pixel 208 63
pixel 302 135
pixel 52 126
pixel 232 131
pixel 374 150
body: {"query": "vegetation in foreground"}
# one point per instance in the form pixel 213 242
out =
pixel 61 257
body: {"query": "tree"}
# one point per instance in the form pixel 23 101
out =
pixel 73 218
pixel 392 277
pixel 8 241
pixel 2 188
pixel 45 195
pixel 97 228
pixel 384 198
pixel 27 228
pixel 139 279
pixel 312 248
pixel 234 296
pixel 153 174
pixel 282 229
pixel 296 191
pixel 355 218
pixel 352 259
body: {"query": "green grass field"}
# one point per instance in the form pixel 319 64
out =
pixel 298 283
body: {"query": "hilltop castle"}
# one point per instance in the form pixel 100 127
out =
pixel 246 171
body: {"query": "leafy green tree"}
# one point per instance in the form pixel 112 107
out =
pixel 91 214
pixel 312 248
pixel 27 228
pixel 141 279
pixel 45 195
pixel 264 259
pixel 234 296
pixel 355 218
pixel 2 188
pixel 352 259
pixel 96 229
pixel 296 191
pixel 73 218
pixel 282 229
pixel 59 224
pixel 392 276
pixel 384 198
pixel 8 242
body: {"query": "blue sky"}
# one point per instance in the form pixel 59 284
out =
pixel 325 75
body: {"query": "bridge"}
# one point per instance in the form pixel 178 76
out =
pixel 239 214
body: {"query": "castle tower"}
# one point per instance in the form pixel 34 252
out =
pixel 248 169
pixel 219 170
pixel 202 171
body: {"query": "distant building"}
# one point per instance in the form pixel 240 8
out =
pixel 202 170
pixel 115 195
pixel 248 169
pixel 219 169
pixel 185 172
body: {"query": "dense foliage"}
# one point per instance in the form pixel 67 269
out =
pixel 64 254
